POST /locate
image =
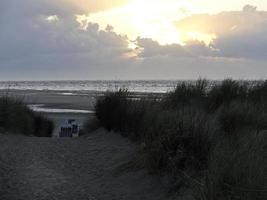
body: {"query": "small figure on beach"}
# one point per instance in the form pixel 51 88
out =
pixel 70 128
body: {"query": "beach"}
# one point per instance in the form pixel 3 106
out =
pixel 61 105
pixel 58 105
pixel 161 146
pixel 93 166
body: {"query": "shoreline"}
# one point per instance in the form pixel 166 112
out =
pixel 68 99
pixel 53 101
pixel 71 103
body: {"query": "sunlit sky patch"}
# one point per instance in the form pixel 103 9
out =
pixel 148 19
pixel 133 39
pixel 52 18
pixel 155 18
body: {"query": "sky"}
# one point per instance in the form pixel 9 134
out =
pixel 132 39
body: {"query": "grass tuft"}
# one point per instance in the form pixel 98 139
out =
pixel 16 117
pixel 208 132
pixel 238 169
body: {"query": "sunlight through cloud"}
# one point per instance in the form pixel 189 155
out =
pixel 149 19
pixel 52 18
pixel 146 19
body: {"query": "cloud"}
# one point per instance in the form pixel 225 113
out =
pixel 94 6
pixel 43 40
pixel 249 8
pixel 50 27
pixel 239 34
pixel 42 37
pixel 74 6
pixel 151 48
pixel 148 48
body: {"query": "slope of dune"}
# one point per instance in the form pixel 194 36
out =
pixel 86 168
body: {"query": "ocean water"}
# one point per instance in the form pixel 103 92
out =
pixel 154 86
pixel 41 108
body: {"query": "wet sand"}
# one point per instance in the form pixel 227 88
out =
pixel 84 100
pixel 71 100
pixel 66 99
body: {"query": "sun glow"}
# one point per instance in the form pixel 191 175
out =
pixel 153 19
pixel 82 20
pixel 52 18
pixel 198 36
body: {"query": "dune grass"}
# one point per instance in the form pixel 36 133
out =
pixel 17 118
pixel 216 130
pixel 238 168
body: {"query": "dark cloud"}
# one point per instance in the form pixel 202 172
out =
pixel 249 8
pixel 33 45
pixel 150 48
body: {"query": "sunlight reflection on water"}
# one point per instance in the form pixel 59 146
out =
pixel 41 108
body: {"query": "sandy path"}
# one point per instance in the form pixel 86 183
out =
pixel 72 169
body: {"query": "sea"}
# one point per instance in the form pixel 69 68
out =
pixel 151 86
pixel 73 88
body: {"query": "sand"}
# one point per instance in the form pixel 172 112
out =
pixel 83 100
pixel 85 168
pixel 56 99
pixel 77 100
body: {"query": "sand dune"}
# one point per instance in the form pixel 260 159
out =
pixel 86 168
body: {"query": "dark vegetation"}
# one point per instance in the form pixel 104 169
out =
pixel 17 118
pixel 214 136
